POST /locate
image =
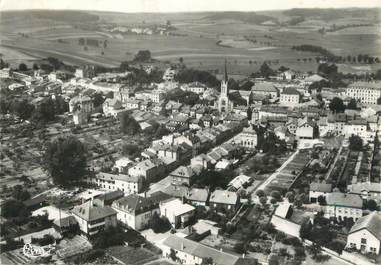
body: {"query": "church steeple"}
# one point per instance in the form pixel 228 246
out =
pixel 226 79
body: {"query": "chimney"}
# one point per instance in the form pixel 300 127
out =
pixel 243 255
pixel 182 245
pixel 221 250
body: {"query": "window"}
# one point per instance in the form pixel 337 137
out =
pixel 363 240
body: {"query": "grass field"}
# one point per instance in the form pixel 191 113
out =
pixel 59 38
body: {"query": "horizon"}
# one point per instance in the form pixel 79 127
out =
pixel 181 6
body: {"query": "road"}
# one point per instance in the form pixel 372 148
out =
pixel 274 175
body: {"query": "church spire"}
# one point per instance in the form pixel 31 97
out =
pixel 226 72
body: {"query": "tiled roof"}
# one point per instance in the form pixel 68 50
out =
pixel 89 212
pixel 371 222
pixel 320 187
pixel 344 199
pixel 202 251
pixel 195 194
pixel 224 197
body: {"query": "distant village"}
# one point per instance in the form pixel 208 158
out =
pixel 175 166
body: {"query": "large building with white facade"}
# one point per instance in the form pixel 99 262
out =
pixel 365 92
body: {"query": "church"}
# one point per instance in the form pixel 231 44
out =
pixel 224 103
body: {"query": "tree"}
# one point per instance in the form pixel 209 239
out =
pixel 321 200
pixel 98 99
pixel 260 193
pixel 379 101
pixel 378 75
pixel 131 150
pixel 22 108
pixel 45 111
pixel 23 67
pixel 276 195
pixel 290 196
pixel 265 70
pixel 159 224
pixel 14 208
pixel 263 200
pixel 352 104
pixel 65 159
pixel 337 105
pixel 143 56
pixel 20 194
pixel 124 67
pixel 371 205
pixel 128 124
pixel 111 236
pixel 355 143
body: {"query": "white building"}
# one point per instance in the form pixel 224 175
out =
pixel 92 219
pixel 126 183
pixel 247 139
pixel 341 206
pixel 83 103
pixel 194 87
pixel 169 74
pixel 136 211
pixel 365 92
pixel 177 212
pixel 365 234
pixel 289 97
pixel 191 253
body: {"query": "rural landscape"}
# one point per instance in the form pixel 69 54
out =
pixel 190 138
pixel 247 39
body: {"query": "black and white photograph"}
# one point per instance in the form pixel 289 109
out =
pixel 190 132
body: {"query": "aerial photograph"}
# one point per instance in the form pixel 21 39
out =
pixel 193 132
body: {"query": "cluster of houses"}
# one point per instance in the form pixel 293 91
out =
pixel 211 137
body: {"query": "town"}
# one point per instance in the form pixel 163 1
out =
pixel 147 164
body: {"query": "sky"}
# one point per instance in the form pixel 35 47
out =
pixel 182 5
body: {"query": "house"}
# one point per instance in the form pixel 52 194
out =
pixel 177 212
pixel 226 200
pixel 206 227
pixel 287 75
pixel 265 88
pixel 147 169
pixel 289 220
pixel 191 253
pixel 239 182
pixel 111 107
pixel 313 78
pixel 197 197
pixel 126 183
pixel 365 234
pixel 182 174
pixel 247 138
pixel 306 129
pixel 136 211
pixel 365 92
pixel 65 225
pixel 289 97
pixel 319 189
pixel 341 206
pixel 92 219
pixel 122 164
pixel 194 87
pixel 356 127
pixel 367 190
pixel 84 103
pixel 202 161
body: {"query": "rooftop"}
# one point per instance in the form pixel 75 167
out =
pixel 344 200
pixel 89 212
pixel 371 222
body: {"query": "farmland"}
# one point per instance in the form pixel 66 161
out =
pixel 203 40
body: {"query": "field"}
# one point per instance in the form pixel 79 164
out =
pixel 204 40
